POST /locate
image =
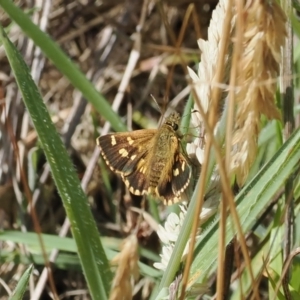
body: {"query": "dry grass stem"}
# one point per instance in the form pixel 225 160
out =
pixel 263 37
pixel 127 270
pixel 130 50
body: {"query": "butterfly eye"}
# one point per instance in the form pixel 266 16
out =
pixel 173 125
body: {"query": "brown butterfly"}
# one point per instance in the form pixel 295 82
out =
pixel 150 161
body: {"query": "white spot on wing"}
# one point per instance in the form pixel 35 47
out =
pixel 130 140
pixel 123 152
pixel 176 172
pixel 113 140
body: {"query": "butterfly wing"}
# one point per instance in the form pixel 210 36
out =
pixel 126 153
pixel 121 151
pixel 179 178
pixel 137 181
pixel 181 174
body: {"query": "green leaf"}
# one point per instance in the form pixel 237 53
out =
pixel 51 242
pixel 251 202
pixel 90 249
pixel 22 285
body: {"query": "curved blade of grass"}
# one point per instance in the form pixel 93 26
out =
pixel 251 203
pixel 30 239
pixel 186 116
pixel 185 231
pixel 22 285
pixel 175 260
pixel 50 242
pixel 63 63
pixel 90 249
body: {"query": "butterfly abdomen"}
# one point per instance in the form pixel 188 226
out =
pixel 156 171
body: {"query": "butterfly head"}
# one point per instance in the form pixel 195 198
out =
pixel 173 120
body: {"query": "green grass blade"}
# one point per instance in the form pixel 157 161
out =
pixel 251 203
pixel 185 231
pixel 65 244
pixel 22 285
pixel 90 249
pixel 63 63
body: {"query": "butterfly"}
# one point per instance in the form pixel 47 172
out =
pixel 150 161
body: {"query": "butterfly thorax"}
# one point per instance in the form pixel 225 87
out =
pixel 162 160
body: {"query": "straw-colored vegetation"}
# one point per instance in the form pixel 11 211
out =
pixel 134 247
pixel 262 42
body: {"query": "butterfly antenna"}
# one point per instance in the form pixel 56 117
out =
pixel 155 101
pixel 165 106
pixel 162 111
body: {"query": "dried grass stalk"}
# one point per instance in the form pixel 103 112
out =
pixel 127 270
pixel 264 35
